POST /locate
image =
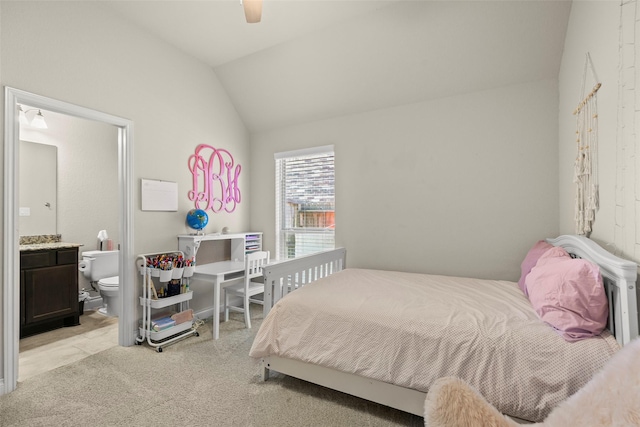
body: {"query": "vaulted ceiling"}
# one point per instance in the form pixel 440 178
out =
pixel 315 59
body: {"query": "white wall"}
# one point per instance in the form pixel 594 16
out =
pixel 80 53
pixel 597 28
pixel 461 185
pixel 593 28
pixel 609 32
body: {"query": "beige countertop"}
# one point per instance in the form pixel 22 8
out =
pixel 45 246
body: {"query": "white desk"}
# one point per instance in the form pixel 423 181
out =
pixel 239 244
pixel 220 272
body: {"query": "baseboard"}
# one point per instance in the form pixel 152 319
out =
pixel 92 303
pixel 204 314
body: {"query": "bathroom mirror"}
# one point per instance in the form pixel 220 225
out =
pixel 38 188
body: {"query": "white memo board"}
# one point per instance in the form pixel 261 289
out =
pixel 159 195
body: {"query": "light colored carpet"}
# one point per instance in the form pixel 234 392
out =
pixel 195 382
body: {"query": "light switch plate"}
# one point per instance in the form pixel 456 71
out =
pixel 25 211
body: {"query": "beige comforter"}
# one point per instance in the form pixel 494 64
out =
pixel 410 329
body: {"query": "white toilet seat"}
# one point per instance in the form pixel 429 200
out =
pixel 109 282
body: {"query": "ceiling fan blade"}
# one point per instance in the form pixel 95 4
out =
pixel 252 10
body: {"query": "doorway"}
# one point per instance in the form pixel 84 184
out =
pixel 11 268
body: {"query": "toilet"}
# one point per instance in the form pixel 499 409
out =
pixel 102 267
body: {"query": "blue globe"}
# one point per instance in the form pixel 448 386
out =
pixel 197 219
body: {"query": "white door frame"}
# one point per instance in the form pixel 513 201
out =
pixel 11 251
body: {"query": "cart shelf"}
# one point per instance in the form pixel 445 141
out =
pixel 168 301
pixel 166 333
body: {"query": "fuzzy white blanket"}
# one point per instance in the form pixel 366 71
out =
pixel 610 399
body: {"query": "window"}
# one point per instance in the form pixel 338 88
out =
pixel 305 202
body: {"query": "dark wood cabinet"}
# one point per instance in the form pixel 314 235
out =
pixel 48 290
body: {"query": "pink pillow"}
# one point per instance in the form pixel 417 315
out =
pixel 568 294
pixel 530 261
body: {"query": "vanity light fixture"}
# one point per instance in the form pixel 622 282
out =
pixel 23 116
pixel 37 121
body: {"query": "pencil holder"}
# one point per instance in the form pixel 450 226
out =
pixel 165 275
pixel 177 273
pixel 154 272
pixel 188 271
pixel 173 288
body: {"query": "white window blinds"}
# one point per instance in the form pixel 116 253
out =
pixel 305 202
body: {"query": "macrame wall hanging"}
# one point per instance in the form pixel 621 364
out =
pixel 586 164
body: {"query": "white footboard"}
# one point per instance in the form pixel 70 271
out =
pixel 283 277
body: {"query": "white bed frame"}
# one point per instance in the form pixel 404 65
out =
pixel 280 278
pixel 619 277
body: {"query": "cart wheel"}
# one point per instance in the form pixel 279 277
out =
pixel 136 342
pixel 159 349
pixel 197 334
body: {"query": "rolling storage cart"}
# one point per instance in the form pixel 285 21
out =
pixel 154 279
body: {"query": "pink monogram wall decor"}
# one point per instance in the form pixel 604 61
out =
pixel 214 171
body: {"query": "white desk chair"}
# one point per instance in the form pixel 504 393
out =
pixel 254 262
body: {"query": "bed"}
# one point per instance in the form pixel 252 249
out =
pixel 385 336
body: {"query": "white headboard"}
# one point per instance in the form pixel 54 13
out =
pixel 619 277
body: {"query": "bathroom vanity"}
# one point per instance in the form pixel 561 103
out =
pixel 48 287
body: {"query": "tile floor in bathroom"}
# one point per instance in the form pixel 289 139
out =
pixel 44 352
